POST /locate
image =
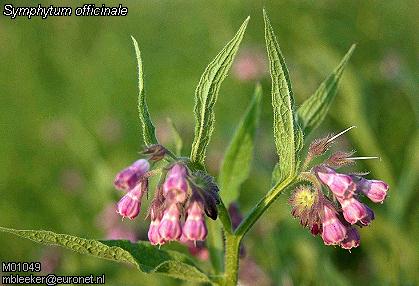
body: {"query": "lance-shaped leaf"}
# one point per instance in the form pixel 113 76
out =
pixel 313 111
pixel 145 257
pixel 286 132
pixel 238 157
pixel 206 94
pixel 147 127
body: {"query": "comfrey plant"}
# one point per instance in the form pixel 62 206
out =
pixel 325 201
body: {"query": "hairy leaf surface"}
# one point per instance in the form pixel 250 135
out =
pixel 206 94
pixel 143 255
pixel 287 134
pixel 147 127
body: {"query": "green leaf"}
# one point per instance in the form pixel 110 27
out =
pixel 145 257
pixel 206 94
pixel 288 136
pixel 176 136
pixel 238 157
pixel 313 111
pixel 148 130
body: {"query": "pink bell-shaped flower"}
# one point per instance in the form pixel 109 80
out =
pixel 194 227
pixel 169 227
pixel 340 184
pixel 175 187
pixel 375 190
pixel 333 231
pixel 129 177
pixel 130 204
pixel 353 210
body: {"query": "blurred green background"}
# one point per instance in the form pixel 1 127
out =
pixel 69 122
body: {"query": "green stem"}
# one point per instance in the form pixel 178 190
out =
pixel 262 205
pixel 224 217
pixel 232 240
pixel 231 262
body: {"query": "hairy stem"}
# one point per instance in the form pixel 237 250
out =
pixel 232 240
pixel 224 217
pixel 231 262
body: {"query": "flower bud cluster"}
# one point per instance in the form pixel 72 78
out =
pixel 179 204
pixel 334 214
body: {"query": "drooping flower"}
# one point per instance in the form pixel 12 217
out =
pixel 194 228
pixel 153 233
pixel 352 239
pixel 375 190
pixel 175 187
pixel 353 210
pixel 130 204
pixel 333 231
pixel 129 177
pixel 369 217
pixel 155 215
pixel 341 185
pixel 169 227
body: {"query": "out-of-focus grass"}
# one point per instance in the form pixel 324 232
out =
pixel 68 123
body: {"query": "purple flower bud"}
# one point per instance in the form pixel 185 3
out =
pixel 369 217
pixel 153 233
pixel 169 227
pixel 175 187
pixel 375 190
pixel 352 239
pixel 353 210
pixel 333 231
pixel 340 184
pixel 194 227
pixel 128 178
pixel 129 205
pixel 315 229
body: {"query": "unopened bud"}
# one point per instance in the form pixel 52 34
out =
pixel 155 152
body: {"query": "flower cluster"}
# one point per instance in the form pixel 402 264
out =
pixel 180 201
pixel 334 214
